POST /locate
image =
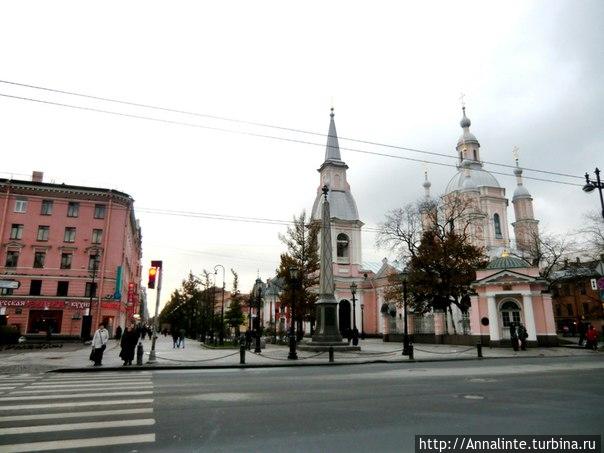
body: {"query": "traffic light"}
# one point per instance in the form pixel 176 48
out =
pixel 152 274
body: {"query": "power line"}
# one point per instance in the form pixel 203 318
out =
pixel 267 125
pixel 272 137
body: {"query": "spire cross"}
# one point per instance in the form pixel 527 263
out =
pixel 461 98
pixel 515 154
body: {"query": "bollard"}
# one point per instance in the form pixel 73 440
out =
pixel 139 354
pixel 331 354
pixel 479 348
pixel 411 352
pixel 242 354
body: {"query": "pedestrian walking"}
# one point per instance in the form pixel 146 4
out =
pixel 582 332
pixel 514 336
pixel 591 338
pixel 174 337
pixel 248 340
pixel 143 331
pixel 118 332
pixel 181 337
pixel 522 336
pixel 128 343
pixel 99 343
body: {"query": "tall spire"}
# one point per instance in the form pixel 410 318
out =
pixel 332 152
pixel 427 184
pixel 521 191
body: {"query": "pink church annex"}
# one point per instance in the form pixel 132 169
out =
pixel 74 253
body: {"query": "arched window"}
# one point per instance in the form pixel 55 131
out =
pixel 510 312
pixel 475 155
pixel 342 247
pixel 497 225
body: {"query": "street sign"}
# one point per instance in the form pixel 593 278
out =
pixel 9 284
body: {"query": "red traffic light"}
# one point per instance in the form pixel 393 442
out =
pixel 152 275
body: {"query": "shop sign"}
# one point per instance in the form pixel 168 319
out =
pixel 45 304
pixel 112 305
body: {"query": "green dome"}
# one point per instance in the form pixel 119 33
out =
pixel 507 262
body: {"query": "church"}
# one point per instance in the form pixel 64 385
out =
pixel 508 290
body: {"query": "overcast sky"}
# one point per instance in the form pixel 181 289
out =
pixel 531 72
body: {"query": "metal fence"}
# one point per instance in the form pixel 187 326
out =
pixel 423 324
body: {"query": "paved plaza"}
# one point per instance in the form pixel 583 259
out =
pixel 195 354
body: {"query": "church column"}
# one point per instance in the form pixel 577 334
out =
pixel 529 317
pixel 493 319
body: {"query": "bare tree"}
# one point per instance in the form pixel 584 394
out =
pixel 593 230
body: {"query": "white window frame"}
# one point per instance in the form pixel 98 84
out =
pixel 21 205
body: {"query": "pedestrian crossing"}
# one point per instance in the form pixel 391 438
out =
pixel 41 412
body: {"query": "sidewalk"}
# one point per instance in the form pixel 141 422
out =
pixel 195 355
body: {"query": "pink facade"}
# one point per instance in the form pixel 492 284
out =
pixel 50 237
pixel 511 291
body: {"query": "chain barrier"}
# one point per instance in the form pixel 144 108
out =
pixel 445 353
pixel 287 360
pixel 372 354
pixel 197 361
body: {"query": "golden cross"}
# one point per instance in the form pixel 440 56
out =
pixel 515 154
pixel 461 98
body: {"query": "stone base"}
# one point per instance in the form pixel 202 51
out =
pixel 315 346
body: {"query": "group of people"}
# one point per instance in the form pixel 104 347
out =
pixel 128 338
pixel 178 337
pixel 518 336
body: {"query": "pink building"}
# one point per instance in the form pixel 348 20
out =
pixel 75 253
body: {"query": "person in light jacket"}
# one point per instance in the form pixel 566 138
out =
pixel 99 343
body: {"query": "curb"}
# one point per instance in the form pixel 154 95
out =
pixel 154 367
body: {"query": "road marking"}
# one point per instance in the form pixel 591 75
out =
pixel 60 415
pixel 132 374
pixel 76 426
pixel 69 395
pixel 91 381
pixel 79 443
pixel 94 388
pixel 76 404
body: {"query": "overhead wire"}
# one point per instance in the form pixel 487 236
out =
pixel 266 125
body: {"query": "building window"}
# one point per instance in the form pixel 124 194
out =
pixel 342 245
pixel 6 291
pixel 66 260
pixel 73 209
pixel 90 290
pixel 12 258
pixel 93 262
pixel 70 233
pixel 558 311
pixel 497 223
pixel 97 236
pixel 46 207
pixel 62 289
pixel 585 308
pixel 21 205
pixel 565 290
pixel 99 211
pixel 16 231
pixel 569 309
pixel 43 231
pixel 583 288
pixel 39 259
pixel 35 288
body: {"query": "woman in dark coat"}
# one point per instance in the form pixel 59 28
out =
pixel 128 344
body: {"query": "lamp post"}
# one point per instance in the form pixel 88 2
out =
pixel 597 184
pixel 362 321
pixel 258 303
pixel 355 331
pixel 221 305
pixel 406 348
pixel 293 275
pixel 93 271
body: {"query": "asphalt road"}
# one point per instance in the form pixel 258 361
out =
pixel 365 408
pixel 375 407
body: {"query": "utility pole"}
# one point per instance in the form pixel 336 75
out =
pixel 157 265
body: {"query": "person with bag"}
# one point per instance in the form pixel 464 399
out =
pixel 99 343
pixel 522 336
pixel 514 336
pixel 128 344
pixel 591 337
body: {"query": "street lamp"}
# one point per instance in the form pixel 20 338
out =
pixel 93 271
pixel 597 184
pixel 221 305
pixel 293 275
pixel 362 321
pixel 355 331
pixel 406 345
pixel 258 302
